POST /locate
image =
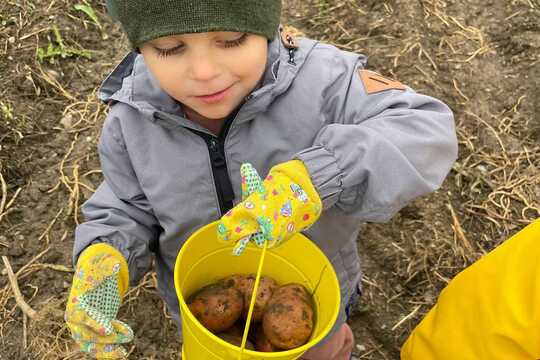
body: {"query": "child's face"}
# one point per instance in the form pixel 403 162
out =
pixel 190 67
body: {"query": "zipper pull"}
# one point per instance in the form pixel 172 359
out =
pixel 218 158
pixel 214 145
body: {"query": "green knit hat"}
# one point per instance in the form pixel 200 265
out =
pixel 145 20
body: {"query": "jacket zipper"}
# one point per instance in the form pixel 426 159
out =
pixel 224 189
pixel 216 149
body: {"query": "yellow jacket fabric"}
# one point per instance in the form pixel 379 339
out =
pixel 490 311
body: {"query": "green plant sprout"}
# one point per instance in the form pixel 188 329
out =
pixel 60 50
pixel 6 109
pixel 89 11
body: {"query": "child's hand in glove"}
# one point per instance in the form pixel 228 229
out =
pixel 100 280
pixel 284 204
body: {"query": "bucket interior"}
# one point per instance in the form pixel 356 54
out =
pixel 204 260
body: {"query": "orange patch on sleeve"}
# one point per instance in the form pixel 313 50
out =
pixel 374 83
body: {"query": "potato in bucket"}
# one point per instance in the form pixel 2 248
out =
pixel 203 259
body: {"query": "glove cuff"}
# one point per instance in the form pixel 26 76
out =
pixel 102 248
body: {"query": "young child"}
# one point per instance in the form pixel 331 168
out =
pixel 213 84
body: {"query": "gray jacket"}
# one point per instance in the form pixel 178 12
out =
pixel 368 156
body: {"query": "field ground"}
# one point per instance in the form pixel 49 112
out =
pixel 482 57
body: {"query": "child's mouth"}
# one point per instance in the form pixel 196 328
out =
pixel 214 98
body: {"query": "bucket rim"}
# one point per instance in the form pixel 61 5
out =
pixel 278 354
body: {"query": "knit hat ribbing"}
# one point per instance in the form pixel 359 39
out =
pixel 144 20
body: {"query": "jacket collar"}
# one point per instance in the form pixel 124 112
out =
pixel 132 83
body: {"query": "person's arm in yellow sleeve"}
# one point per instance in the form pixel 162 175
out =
pixel 490 311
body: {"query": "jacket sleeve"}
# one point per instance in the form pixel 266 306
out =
pixel 377 151
pixel 488 311
pixel 118 213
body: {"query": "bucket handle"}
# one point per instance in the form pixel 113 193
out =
pixel 319 281
pixel 253 299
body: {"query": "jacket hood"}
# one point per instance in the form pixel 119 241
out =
pixel 132 83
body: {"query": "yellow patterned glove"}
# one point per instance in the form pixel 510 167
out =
pixel 491 310
pixel 284 204
pixel 100 281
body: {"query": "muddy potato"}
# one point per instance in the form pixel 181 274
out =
pixel 298 290
pixel 239 281
pixel 289 316
pixel 235 339
pixel 267 286
pixel 261 342
pixel 217 306
pixel 245 284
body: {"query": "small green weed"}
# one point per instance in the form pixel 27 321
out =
pixel 89 11
pixel 53 52
pixel 6 109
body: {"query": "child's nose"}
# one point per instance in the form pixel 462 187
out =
pixel 203 68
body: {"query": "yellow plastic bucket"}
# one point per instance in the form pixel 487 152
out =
pixel 204 259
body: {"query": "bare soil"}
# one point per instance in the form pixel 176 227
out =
pixel 480 57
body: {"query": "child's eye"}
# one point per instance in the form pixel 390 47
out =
pixel 235 42
pixel 162 53
pixel 168 52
